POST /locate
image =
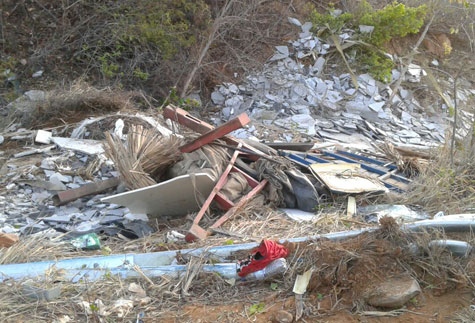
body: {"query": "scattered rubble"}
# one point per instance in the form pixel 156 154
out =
pixel 294 137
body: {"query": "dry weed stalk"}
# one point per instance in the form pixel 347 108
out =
pixel 444 188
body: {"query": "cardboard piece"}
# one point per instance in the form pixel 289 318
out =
pixel 175 197
pixel 345 178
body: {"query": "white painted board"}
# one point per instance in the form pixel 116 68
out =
pixel 175 197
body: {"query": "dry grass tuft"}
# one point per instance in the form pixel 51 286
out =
pixel 444 188
pixel 464 316
pixel 145 158
pixel 80 98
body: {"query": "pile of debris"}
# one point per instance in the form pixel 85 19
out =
pixel 129 177
pixel 333 107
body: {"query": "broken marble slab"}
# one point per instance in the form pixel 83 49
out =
pixel 294 21
pixel 299 215
pixel 86 146
pixel 366 29
pixel 43 137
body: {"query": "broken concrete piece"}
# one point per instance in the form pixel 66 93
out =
pixel 59 177
pixel 299 215
pixel 393 293
pixel 44 184
pixel 8 239
pixel 366 29
pixel 294 21
pixel 217 98
pixel 33 151
pixel 41 293
pixel 86 146
pixel 175 197
pixel 43 137
pixel 40 197
pixel 137 289
pixel 318 66
pixel 306 27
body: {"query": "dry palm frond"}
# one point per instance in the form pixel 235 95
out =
pixel 145 158
pixel 406 161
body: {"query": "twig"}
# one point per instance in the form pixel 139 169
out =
pixel 409 60
pixel 452 143
pixel 211 37
pixel 142 274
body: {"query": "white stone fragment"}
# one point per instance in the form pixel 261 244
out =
pixel 366 29
pixel 294 21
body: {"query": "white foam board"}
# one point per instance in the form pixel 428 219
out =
pixel 175 197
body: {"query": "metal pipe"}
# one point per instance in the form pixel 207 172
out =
pixel 160 263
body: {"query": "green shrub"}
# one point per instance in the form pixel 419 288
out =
pixel 332 21
pixel 394 20
pixel 379 66
pixel 170 25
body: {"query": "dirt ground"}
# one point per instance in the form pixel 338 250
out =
pixel 428 308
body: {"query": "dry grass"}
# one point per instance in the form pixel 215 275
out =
pixel 464 316
pixel 80 99
pixel 38 248
pixel 370 257
pixel 146 156
pixel 445 188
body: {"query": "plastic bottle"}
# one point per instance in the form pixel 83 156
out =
pixel 274 268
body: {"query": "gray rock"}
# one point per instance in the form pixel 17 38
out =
pixel 284 50
pixel 57 177
pixel 283 317
pixel 393 293
pixel 306 27
pixel 37 74
pixel 377 106
pixel 1 139
pixel 40 197
pixel 233 88
pixel 35 95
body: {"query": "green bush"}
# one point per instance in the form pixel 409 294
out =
pixel 379 66
pixel 332 21
pixel 142 38
pixel 394 20
pixel 170 25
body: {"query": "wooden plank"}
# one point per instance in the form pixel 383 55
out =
pixel 64 197
pixel 184 118
pixel 216 133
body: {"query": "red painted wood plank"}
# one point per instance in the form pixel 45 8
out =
pixel 184 118
pixel 234 124
pixel 223 201
pixel 240 204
